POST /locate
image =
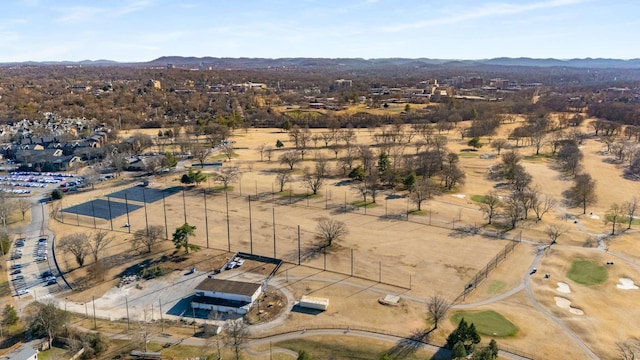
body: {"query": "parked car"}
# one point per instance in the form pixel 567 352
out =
pixel 42 240
pixel 23 292
pixel 50 278
pixel 240 262
pixel 231 265
pixel 16 272
pixel 47 274
pixel 51 282
pixel 18 277
pixel 16 266
pixel 41 258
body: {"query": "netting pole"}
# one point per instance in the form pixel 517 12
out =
pixel 164 208
pixel 299 251
pixel 93 212
pixel 352 262
pixel 274 231
pixel 110 217
pixel 206 215
pixel 226 197
pixel 146 217
pixel 126 205
pixel 250 228
pixel 184 206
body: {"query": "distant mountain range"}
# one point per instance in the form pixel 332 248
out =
pixel 256 63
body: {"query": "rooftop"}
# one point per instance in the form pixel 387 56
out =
pixel 228 286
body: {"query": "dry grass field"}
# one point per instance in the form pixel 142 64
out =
pixel 428 259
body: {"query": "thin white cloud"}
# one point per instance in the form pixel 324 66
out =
pixel 90 13
pixel 79 13
pixel 487 10
pixel 132 6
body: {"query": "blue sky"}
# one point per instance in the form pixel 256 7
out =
pixel 142 30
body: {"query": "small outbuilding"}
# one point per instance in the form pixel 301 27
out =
pixel 312 302
pixel 24 352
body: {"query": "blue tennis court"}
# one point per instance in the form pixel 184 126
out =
pixel 102 209
pixel 145 194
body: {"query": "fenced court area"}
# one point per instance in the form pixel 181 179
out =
pixel 101 209
pixel 145 194
pixel 384 245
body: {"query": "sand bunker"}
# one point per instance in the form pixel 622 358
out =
pixel 564 288
pixel 460 196
pixel 626 284
pixel 595 217
pixel 565 303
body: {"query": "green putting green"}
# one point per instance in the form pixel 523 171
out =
pixel 488 323
pixel 587 273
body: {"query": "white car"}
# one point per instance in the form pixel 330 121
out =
pixel 231 265
pixel 50 278
pixel 41 258
pixel 23 292
pixel 240 262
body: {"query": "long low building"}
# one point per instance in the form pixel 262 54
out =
pixel 313 302
pixel 226 295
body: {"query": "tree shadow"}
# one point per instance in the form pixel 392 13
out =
pixel 309 252
pixel 408 346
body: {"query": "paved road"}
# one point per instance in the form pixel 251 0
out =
pixel 30 267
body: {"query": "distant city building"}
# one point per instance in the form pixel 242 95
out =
pixel 342 83
pixel 614 93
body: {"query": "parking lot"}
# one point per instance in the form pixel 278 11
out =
pixel 22 182
pixel 30 271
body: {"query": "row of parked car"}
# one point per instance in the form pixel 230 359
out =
pixel 40 252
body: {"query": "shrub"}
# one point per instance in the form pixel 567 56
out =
pixel 57 194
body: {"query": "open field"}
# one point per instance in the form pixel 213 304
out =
pixel 422 256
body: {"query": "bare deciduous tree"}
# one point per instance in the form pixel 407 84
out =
pixel 554 232
pixel 331 230
pixel 490 205
pixel 200 152
pixel 228 150
pixel 147 237
pixel 282 179
pixel 99 241
pixel 423 190
pixel 48 320
pixel 314 180
pixel 236 334
pixel 290 158
pixel 583 191
pixel 499 144
pixel 261 148
pixel 77 245
pixel 269 151
pixel 227 175
pixel 630 208
pixel 437 308
pixel 24 205
pixel 628 350
pixel 542 205
pixel 614 216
